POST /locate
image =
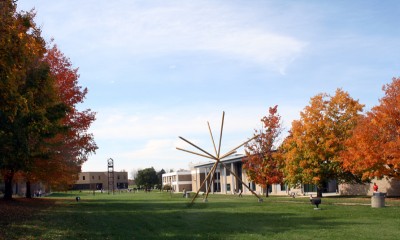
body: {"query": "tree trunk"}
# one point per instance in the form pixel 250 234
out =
pixel 267 191
pixel 319 192
pixel 8 177
pixel 28 193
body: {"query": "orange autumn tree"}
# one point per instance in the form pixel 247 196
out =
pixel 311 151
pixel 261 164
pixel 373 150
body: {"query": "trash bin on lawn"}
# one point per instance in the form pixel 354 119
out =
pixel 187 195
pixel 378 200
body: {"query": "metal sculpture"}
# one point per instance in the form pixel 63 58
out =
pixel 217 159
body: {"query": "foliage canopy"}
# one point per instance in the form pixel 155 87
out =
pixel 373 150
pixel 311 151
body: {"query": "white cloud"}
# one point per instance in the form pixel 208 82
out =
pixel 126 126
pixel 138 29
pixel 125 123
pixel 153 149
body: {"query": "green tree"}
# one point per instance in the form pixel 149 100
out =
pixel 146 178
pixel 312 150
pixel 159 178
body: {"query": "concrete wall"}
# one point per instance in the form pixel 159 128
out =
pixel 185 177
pixel 187 187
pixel 197 179
pixel 390 187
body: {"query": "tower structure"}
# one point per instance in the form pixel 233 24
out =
pixel 110 167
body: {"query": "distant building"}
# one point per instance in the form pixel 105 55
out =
pixel 178 180
pixel 131 182
pixel 19 188
pixel 100 180
pixel 226 182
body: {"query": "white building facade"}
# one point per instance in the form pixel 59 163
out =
pixel 179 180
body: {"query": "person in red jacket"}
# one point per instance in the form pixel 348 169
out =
pixel 375 187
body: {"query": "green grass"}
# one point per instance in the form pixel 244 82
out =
pixel 163 216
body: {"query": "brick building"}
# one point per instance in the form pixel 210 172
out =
pixel 99 180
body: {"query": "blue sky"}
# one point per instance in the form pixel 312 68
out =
pixel 157 70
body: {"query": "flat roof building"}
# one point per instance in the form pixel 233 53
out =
pixel 100 180
pixel 178 180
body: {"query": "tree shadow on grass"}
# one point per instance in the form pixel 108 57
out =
pixel 17 212
pixel 116 219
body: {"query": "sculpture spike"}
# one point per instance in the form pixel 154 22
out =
pixel 199 154
pixel 198 148
pixel 220 135
pixel 217 158
pixel 212 139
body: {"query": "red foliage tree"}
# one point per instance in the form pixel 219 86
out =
pixel 70 148
pixel 373 150
pixel 261 163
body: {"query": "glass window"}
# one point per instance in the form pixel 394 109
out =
pixel 217 176
pixel 83 178
pixel 310 188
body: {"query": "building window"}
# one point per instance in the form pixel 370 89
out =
pixel 83 178
pixel 283 187
pixel 93 177
pixel 99 177
pixel 217 176
pixel 228 187
pixel 252 186
pixel 310 188
pixel 118 177
pixel 217 187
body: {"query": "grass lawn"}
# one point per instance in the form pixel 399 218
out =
pixel 158 215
